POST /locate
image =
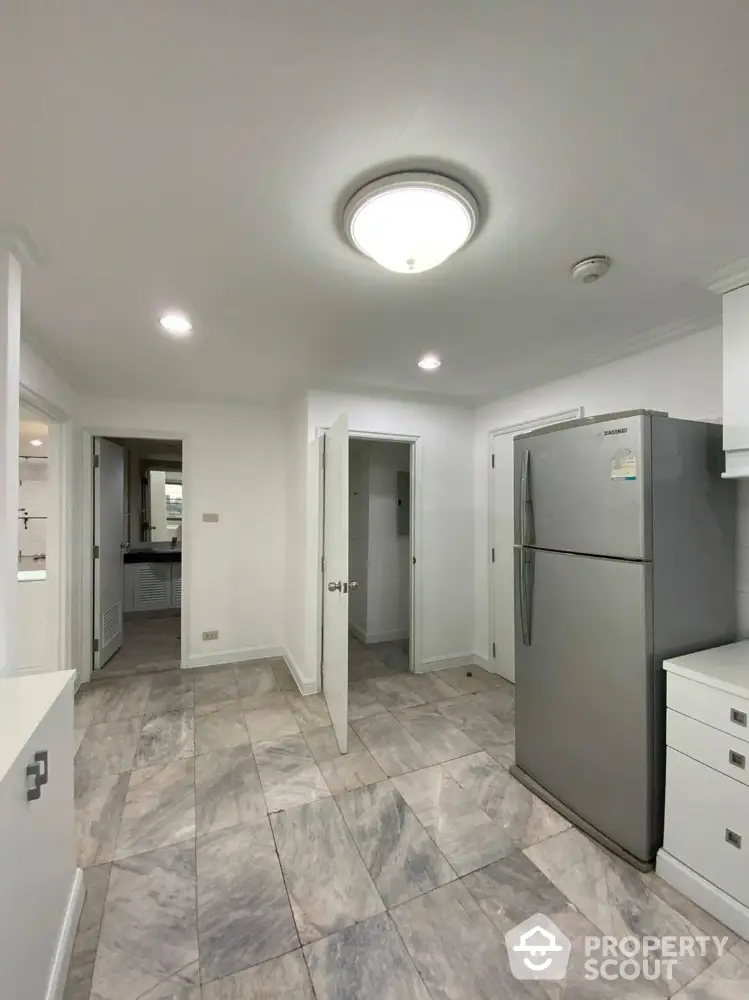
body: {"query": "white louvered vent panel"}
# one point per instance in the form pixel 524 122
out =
pixel 176 592
pixel 111 625
pixel 153 586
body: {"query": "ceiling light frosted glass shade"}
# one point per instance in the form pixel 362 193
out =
pixel 411 222
pixel 176 323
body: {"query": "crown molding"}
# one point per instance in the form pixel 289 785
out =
pixel 730 277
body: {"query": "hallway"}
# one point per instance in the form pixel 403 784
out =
pixel 231 853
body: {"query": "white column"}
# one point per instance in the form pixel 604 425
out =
pixel 10 349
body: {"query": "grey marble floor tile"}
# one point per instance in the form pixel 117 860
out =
pixel 614 897
pixel 430 687
pixel 78 733
pixel 284 978
pixel 181 986
pixel 159 808
pixel 149 930
pixel 255 679
pixel 399 854
pixel 275 701
pixel 367 961
pixel 517 811
pixel 78 983
pixel 324 746
pixel 442 740
pixel 225 727
pixel 244 916
pixel 266 724
pixel 107 748
pixel 391 745
pixel 288 773
pixel 98 813
pixel 363 702
pixel 458 951
pixel 499 701
pixel 395 692
pixel 214 688
pixel 171 692
pixel 486 730
pixel 464 833
pixel 86 702
pixel 351 770
pixel 310 711
pixel 727 979
pixel 468 680
pixel 283 675
pixel 328 884
pixel 122 699
pixel 504 754
pixel 170 736
pixel 227 789
pixel 95 881
pixel 741 950
pixel 693 913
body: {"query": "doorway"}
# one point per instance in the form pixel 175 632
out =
pixel 355 648
pixel 379 558
pixel 137 565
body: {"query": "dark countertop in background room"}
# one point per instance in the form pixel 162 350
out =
pixel 153 555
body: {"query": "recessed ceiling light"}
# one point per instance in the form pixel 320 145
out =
pixel 36 443
pixel 430 362
pixel 176 323
pixel 411 222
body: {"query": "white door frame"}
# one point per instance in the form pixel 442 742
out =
pixel 59 644
pixel 86 536
pixel 415 550
pixel 561 416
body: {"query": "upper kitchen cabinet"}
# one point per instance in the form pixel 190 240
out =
pixel 736 381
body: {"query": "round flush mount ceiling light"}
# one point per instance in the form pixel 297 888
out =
pixel 590 269
pixel 411 222
pixel 176 323
pixel 430 362
pixel 36 443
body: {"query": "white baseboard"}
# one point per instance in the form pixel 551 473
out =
pixel 439 663
pixel 305 686
pixel 59 971
pixel 357 631
pixel 712 899
pixel 234 656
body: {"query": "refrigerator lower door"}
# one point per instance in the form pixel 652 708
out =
pixel 584 689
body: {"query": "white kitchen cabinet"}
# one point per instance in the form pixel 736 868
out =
pixel 705 850
pixel 735 368
pixel 41 889
pixel 153 586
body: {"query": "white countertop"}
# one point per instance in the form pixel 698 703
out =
pixel 24 701
pixel 724 667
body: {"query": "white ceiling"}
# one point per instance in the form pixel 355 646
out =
pixel 195 154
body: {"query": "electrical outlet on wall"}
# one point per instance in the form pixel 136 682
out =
pixel 213 634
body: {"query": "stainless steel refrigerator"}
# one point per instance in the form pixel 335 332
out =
pixel 624 555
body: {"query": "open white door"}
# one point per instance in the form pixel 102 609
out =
pixel 109 536
pixel 335 578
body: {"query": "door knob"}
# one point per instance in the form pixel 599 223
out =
pixel 353 585
pixel 335 586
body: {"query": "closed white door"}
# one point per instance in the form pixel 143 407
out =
pixel 109 537
pixel 503 560
pixel 335 578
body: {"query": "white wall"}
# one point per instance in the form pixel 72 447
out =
pixel 234 466
pixel 295 524
pixel 444 539
pixel 683 378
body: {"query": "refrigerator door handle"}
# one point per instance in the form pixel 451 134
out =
pixel 525 589
pixel 524 496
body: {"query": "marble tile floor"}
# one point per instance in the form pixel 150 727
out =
pixel 230 852
pixel 151 642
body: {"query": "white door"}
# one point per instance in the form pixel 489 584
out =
pixel 109 537
pixel 335 578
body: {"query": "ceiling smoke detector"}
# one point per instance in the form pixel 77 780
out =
pixel 590 269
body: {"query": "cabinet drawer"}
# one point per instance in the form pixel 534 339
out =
pixel 717 708
pixel 709 746
pixel 707 823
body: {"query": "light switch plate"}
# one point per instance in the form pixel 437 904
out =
pixel 213 634
pixel 211 518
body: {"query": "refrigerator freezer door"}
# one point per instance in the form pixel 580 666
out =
pixel 584 689
pixel 586 489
